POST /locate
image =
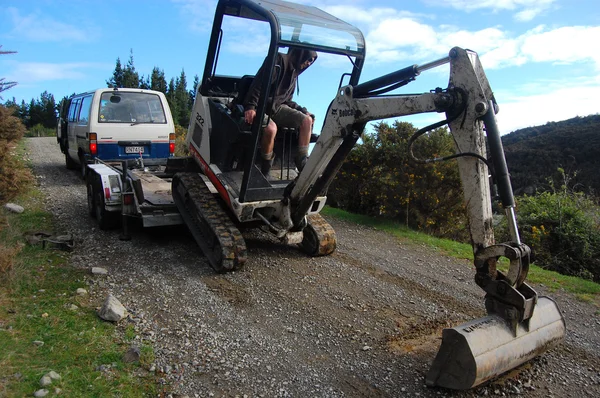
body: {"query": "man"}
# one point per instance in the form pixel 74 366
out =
pixel 282 110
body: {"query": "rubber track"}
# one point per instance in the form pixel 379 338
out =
pixel 218 237
pixel 325 235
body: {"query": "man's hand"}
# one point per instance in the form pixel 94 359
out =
pixel 249 116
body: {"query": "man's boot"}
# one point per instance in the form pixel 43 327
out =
pixel 300 162
pixel 266 164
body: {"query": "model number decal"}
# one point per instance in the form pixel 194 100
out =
pixel 200 119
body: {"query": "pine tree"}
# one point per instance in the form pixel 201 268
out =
pixel 171 99
pixel 145 82
pixel 116 81
pixel 194 89
pixel 131 78
pixel 35 114
pixel 158 81
pixel 48 110
pixel 182 99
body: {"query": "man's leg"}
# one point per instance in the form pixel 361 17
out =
pixel 267 143
pixel 292 118
pixel 303 142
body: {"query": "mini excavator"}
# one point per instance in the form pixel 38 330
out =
pixel 227 191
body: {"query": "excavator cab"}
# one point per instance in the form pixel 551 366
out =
pixel 222 141
pixel 230 192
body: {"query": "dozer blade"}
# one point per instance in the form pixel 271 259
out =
pixel 485 348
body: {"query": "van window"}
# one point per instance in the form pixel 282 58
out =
pixel 73 110
pixel 124 107
pixel 84 113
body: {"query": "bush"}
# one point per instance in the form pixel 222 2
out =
pixel 180 147
pixel 13 176
pixel 40 131
pixel 563 231
pixel 379 179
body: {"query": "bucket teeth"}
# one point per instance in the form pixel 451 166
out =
pixel 484 348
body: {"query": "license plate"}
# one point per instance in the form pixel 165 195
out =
pixel 134 149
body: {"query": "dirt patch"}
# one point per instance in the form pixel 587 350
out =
pixel 230 291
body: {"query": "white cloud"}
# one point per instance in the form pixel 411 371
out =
pixel 552 101
pixel 566 45
pixel 36 27
pixel 525 10
pixel 198 13
pixel 387 41
pixel 34 72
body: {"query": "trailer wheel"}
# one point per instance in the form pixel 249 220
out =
pixel 106 219
pixel 91 202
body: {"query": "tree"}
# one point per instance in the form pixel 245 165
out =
pixel 48 110
pixel 171 98
pixel 6 85
pixel 194 89
pixel 379 179
pixel 145 82
pixel 116 81
pixel 182 99
pixel 131 78
pixel 158 81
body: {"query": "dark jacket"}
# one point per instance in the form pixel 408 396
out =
pixel 284 88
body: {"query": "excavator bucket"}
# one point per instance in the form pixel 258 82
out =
pixel 484 348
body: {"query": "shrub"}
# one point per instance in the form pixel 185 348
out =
pixel 379 179
pixel 180 147
pixel 40 131
pixel 12 174
pixel 563 231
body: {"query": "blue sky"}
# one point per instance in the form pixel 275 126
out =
pixel 542 57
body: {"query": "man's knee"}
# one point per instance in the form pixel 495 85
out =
pixel 270 131
pixel 306 123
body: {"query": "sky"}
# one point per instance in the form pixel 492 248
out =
pixel 542 57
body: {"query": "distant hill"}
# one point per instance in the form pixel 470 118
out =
pixel 533 154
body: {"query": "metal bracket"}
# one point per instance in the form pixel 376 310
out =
pixel 507 295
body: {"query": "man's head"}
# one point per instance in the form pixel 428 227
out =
pixel 302 58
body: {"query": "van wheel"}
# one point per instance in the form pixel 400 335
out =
pixel 91 202
pixel 106 219
pixel 83 166
pixel 70 163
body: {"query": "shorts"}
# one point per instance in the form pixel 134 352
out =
pixel 286 117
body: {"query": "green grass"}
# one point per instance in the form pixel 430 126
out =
pixel 584 289
pixel 35 298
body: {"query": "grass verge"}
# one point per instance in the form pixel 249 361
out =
pixel 38 304
pixel 583 289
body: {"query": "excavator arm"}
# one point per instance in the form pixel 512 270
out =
pixel 514 331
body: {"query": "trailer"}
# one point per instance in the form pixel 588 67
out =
pixel 121 191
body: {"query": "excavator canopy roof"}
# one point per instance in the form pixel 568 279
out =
pixel 297 23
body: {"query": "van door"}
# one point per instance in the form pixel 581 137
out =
pixel 71 131
pixel 82 125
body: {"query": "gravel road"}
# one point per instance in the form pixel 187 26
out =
pixel 363 322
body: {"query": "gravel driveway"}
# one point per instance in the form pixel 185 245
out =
pixel 363 322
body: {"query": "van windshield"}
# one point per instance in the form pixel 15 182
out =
pixel 127 107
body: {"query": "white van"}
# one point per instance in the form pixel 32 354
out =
pixel 115 124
